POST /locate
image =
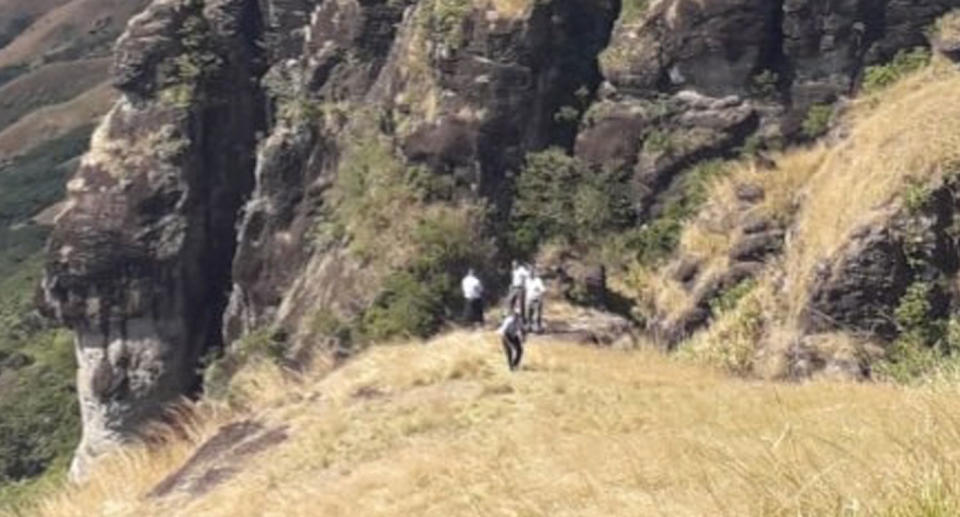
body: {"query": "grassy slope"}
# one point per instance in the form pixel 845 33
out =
pixel 50 84
pixel 51 122
pixel 901 135
pixel 444 429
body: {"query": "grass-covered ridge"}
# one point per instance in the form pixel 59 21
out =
pixel 899 139
pixel 445 429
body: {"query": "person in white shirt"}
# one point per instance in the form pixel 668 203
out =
pixel 472 299
pixel 519 274
pixel 534 295
pixel 511 336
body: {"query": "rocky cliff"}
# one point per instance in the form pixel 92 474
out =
pixel 307 167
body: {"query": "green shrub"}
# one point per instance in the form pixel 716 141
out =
pixel 324 323
pixel 817 121
pixel 657 239
pixel 406 306
pixel 187 74
pixel 765 84
pixel 559 197
pixel 567 115
pixel 431 240
pixel 904 63
pixel 728 299
pixel 263 344
pixel 657 142
pixel 915 196
pixel 913 318
pixel 416 301
pixel 443 20
pixel 926 345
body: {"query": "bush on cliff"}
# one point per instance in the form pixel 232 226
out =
pixel 403 222
pixel 557 196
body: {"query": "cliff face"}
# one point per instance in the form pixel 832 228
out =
pixel 139 260
pixel 181 228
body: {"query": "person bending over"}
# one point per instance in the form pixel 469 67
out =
pixel 511 336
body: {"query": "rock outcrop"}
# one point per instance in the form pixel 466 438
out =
pixel 139 261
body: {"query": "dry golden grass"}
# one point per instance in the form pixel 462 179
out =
pixel 909 132
pixel 948 26
pixel 656 292
pixel 512 9
pixel 444 429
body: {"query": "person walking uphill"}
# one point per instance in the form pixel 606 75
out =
pixel 511 336
pixel 516 297
pixel 472 299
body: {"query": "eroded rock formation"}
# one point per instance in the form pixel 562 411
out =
pixel 139 260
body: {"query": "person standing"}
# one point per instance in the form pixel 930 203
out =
pixel 472 299
pixel 534 297
pixel 512 336
pixel 519 274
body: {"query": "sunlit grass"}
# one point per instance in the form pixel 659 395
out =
pixel 444 429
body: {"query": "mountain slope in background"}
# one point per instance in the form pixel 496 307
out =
pixel 54 87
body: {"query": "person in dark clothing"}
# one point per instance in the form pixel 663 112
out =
pixel 512 336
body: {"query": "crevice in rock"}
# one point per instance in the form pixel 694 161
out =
pixel 772 52
pixel 589 34
pixel 229 162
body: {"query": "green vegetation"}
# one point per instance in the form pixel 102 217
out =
pixel 39 417
pixel 559 197
pixel 658 141
pixel 36 180
pixel 904 63
pixel 263 344
pixel 733 343
pixel 926 344
pixel 817 121
pixel 659 238
pixel 729 298
pixel 187 73
pixel 632 10
pixel 915 196
pixel 415 302
pixel 443 20
pixel 433 239
pixel 765 84
pixel 567 115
